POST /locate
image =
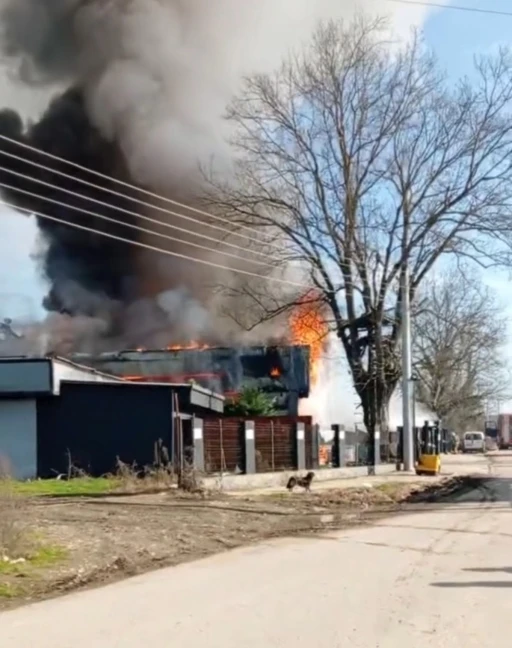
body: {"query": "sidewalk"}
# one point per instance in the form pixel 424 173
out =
pixel 346 482
pixel 451 465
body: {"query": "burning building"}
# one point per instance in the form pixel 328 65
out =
pixel 282 372
pixel 285 371
pixel 142 88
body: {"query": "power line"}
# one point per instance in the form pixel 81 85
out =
pixel 186 257
pixel 135 200
pixel 123 223
pixel 128 212
pixel 136 214
pixel 131 187
pixel 122 210
pixel 438 5
pixel 144 245
pixel 136 227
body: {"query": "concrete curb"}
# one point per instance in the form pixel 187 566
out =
pixel 276 480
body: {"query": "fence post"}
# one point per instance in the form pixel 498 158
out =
pixel 315 446
pixel 198 441
pixel 339 444
pixel 300 433
pixel 376 452
pixel 399 448
pixel 272 440
pixel 250 447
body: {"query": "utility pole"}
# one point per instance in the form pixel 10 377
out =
pixel 407 409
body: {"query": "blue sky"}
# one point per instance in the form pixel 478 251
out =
pixel 455 37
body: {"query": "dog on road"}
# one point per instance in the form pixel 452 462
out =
pixel 302 482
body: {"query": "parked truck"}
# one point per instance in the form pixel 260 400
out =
pixel 504 431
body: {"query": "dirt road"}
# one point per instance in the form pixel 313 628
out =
pixel 442 577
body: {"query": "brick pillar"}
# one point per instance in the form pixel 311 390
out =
pixel 198 440
pixel 250 448
pixel 300 433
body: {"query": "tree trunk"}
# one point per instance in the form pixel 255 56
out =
pixel 375 397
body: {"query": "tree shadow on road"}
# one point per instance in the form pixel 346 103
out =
pixel 479 489
pixel 479 570
pixel 489 570
pixel 463 584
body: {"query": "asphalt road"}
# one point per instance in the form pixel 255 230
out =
pixel 439 578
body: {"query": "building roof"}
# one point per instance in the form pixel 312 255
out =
pixel 224 370
pixel 43 376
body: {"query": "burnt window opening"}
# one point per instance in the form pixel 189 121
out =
pixel 267 365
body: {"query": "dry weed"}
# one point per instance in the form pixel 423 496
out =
pixel 127 475
pixel 190 480
pixel 133 479
pixel 14 531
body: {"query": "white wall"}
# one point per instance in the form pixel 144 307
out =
pixel 18 437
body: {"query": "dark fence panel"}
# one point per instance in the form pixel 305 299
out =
pixel 275 443
pixel 224 445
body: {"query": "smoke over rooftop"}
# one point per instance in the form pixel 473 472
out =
pixel 144 84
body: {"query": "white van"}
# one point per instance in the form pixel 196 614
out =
pixel 473 442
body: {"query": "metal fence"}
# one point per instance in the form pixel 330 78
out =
pixel 275 444
pixel 358 451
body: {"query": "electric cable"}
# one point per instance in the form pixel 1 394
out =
pixel 156 249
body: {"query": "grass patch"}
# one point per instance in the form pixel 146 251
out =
pixel 47 555
pixel 14 531
pixel 60 487
pixel 396 488
pixel 9 591
pixel 42 557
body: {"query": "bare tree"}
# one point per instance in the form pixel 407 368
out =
pixel 362 161
pixel 459 334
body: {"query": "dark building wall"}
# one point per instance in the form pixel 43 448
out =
pixel 94 424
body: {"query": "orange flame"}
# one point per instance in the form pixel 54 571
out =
pixel 199 346
pixel 309 328
pixel 275 372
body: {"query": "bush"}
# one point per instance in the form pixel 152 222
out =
pixel 251 402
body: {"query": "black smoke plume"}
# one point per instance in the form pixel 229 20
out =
pixel 149 84
pixel 74 257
